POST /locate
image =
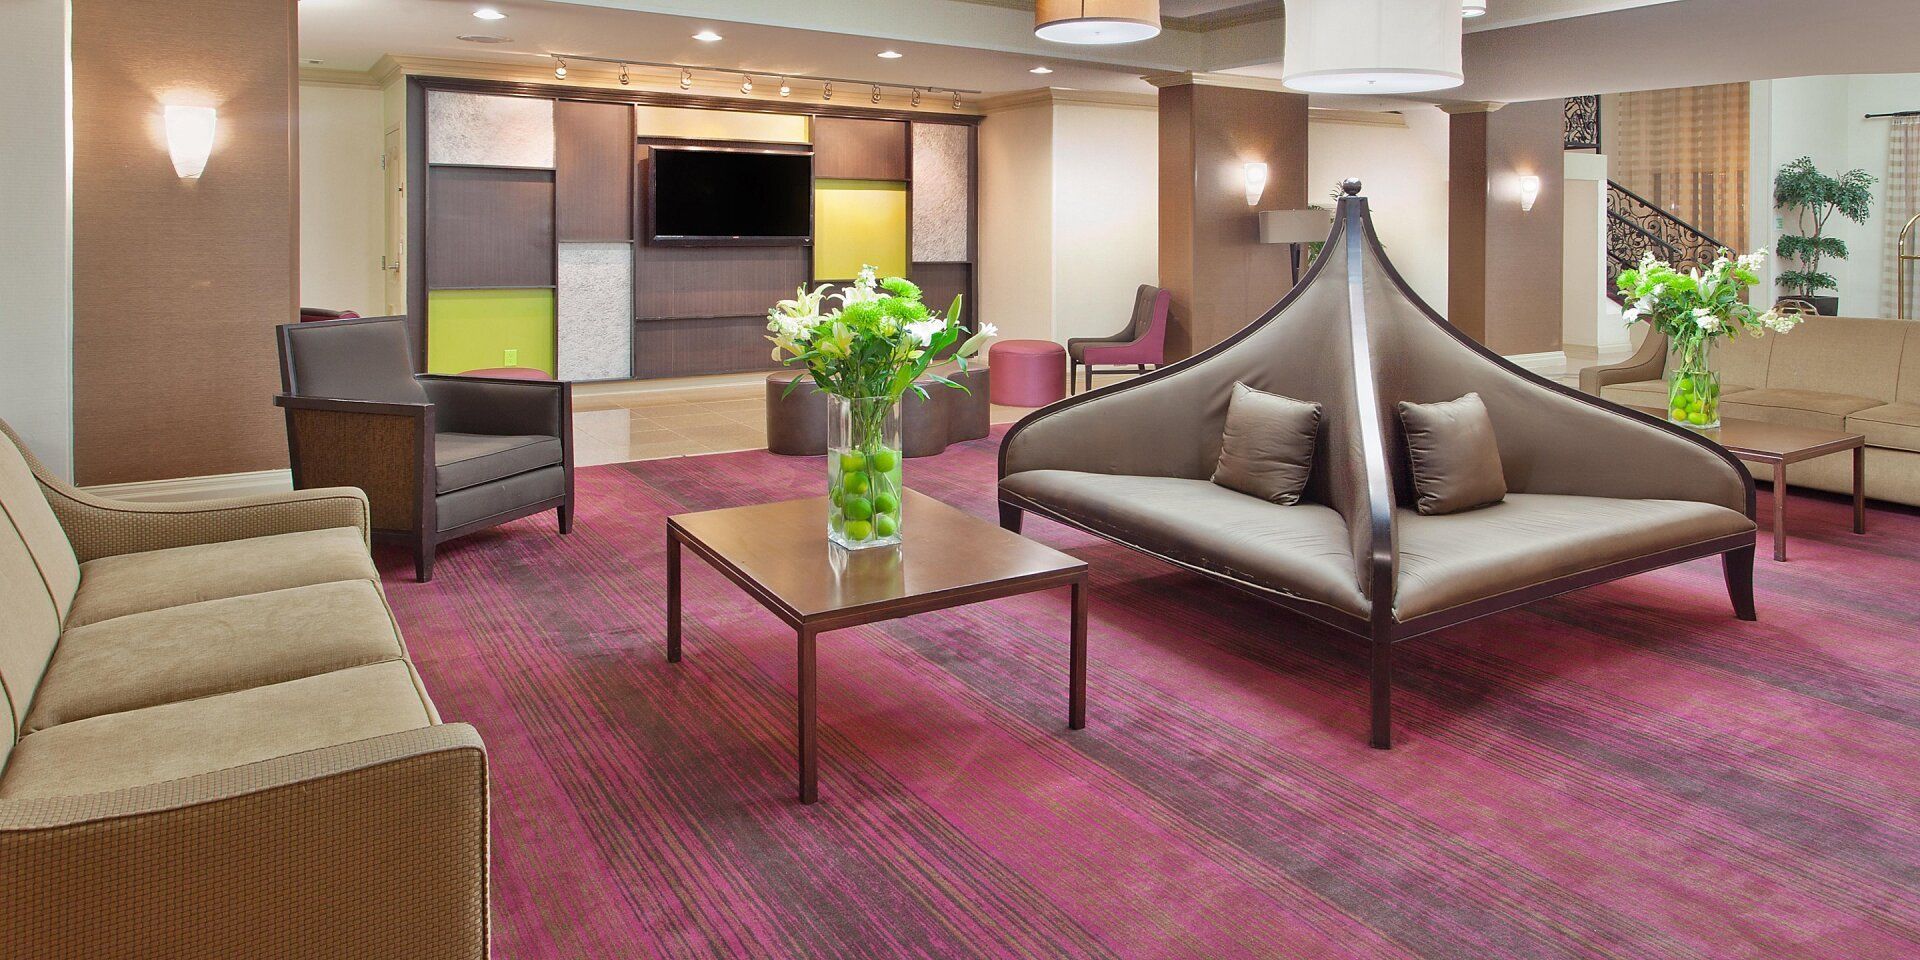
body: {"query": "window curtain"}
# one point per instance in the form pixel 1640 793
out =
pixel 1902 202
pixel 1686 151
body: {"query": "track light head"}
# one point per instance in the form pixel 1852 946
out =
pixel 785 90
pixel 746 84
pixel 876 93
pixel 560 72
pixel 623 75
pixel 826 91
pixel 686 78
pixel 956 99
pixel 916 97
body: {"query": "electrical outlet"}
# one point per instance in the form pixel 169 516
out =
pixel 513 358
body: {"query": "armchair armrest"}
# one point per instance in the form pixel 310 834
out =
pixel 385 449
pixel 501 407
pixel 1647 363
pixel 375 849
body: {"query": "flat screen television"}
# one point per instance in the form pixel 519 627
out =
pixel 730 196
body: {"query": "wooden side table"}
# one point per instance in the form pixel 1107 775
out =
pixel 779 554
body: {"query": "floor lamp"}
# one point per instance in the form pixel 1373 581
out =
pixel 1293 228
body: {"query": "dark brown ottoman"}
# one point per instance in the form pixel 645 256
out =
pixel 797 422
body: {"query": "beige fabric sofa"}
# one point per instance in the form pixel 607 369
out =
pixel 214 743
pixel 1855 374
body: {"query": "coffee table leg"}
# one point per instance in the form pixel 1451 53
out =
pixel 1779 511
pixel 809 708
pixel 1860 489
pixel 1077 660
pixel 673 597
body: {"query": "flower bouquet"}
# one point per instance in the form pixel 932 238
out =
pixel 865 351
pixel 1695 310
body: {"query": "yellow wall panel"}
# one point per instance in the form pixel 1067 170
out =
pixel 474 329
pixel 858 222
pixel 702 124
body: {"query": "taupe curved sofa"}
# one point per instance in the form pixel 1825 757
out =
pixel 1597 492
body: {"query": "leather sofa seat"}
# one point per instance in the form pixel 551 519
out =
pixel 1300 550
pixel 1653 393
pixel 178 740
pixel 1795 408
pixel 213 647
pixel 463 460
pixel 156 579
pixel 1895 426
pixel 1529 538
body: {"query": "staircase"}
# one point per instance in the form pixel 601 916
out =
pixel 1636 227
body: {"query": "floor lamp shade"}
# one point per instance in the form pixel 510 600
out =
pixel 1096 21
pixel 1372 46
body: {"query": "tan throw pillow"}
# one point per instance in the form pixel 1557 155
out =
pixel 1267 451
pixel 1455 461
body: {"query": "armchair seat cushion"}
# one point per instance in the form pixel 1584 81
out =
pixel 1653 393
pixel 214 647
pixel 1530 538
pixel 185 739
pixel 1795 408
pixel 1300 550
pixel 1077 347
pixel 138 582
pixel 1895 426
pixel 463 460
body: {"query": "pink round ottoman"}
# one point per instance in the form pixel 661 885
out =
pixel 1027 373
pixel 510 373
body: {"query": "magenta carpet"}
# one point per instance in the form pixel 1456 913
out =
pixel 1623 772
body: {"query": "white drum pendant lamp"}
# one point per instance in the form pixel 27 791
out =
pixel 1096 21
pixel 1372 46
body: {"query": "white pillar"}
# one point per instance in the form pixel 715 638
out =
pixel 1589 330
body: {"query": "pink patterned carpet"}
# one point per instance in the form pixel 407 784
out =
pixel 1623 772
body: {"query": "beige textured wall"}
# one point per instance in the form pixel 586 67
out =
pixel 1524 260
pixel 178 283
pixel 342 192
pixel 1106 214
pixel 1016 222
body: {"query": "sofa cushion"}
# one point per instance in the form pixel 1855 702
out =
pixel 177 740
pixel 213 647
pixel 1850 356
pixel 1452 454
pixel 1299 550
pixel 462 460
pixel 1796 408
pixel 487 501
pixel 1894 425
pixel 137 582
pixel 1908 390
pixel 1266 449
pixel 29 626
pixel 1653 393
pixel 1531 538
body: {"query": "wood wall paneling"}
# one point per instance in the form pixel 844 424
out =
pixel 941 282
pixel 699 281
pixel 1504 264
pixel 593 171
pixel 489 227
pixel 1467 223
pixel 177 284
pixel 702 345
pixel 845 149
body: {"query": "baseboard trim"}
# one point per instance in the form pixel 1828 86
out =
pixel 197 488
pixel 1553 364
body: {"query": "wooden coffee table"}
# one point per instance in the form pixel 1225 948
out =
pixel 1778 445
pixel 779 553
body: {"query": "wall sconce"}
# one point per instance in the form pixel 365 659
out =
pixel 1256 183
pixel 1529 192
pixel 190 139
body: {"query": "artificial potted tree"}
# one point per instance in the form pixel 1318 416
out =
pixel 1801 188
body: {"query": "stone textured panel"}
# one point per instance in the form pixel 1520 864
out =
pixel 479 128
pixel 596 311
pixel 941 212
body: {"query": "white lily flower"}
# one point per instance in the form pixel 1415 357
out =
pixel 923 331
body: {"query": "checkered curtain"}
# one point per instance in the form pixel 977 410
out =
pixel 1902 202
pixel 1686 151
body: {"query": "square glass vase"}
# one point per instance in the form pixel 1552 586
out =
pixel 865 492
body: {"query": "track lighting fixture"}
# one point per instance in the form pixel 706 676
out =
pixel 956 99
pixel 560 72
pixel 623 75
pixel 916 97
pixel 876 93
pixel 746 84
pixel 877 88
pixel 826 92
pixel 785 91
pixel 686 78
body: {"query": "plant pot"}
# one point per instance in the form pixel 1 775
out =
pixel 1693 387
pixel 864 472
pixel 1824 306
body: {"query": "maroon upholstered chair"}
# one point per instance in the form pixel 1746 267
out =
pixel 316 314
pixel 1143 344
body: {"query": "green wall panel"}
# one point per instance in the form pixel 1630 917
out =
pixel 473 329
pixel 859 222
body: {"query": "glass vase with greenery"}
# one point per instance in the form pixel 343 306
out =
pixel 865 354
pixel 1695 310
pixel 1815 197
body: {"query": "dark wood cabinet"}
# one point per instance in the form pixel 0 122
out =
pixel 846 149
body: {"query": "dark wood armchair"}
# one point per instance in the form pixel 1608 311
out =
pixel 439 457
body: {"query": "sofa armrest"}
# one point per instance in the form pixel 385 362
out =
pixel 375 850
pixel 501 407
pixel 384 449
pixel 1647 363
pixel 99 527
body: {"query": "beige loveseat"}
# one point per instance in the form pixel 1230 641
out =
pixel 1841 373
pixel 214 743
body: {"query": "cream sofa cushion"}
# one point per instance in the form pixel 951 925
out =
pixel 1742 359
pixel 29 625
pixel 1909 390
pixel 137 582
pixel 1895 426
pixel 213 647
pixel 1797 408
pixel 33 521
pixel 1835 355
pixel 214 733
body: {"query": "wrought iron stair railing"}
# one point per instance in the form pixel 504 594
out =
pixel 1635 227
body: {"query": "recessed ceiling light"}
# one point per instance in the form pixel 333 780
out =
pixel 483 38
pixel 488 13
pixel 1473 8
pixel 706 36
pixel 890 54
pixel 1041 70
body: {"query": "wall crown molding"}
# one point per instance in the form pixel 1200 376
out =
pixel 1237 81
pixel 1047 95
